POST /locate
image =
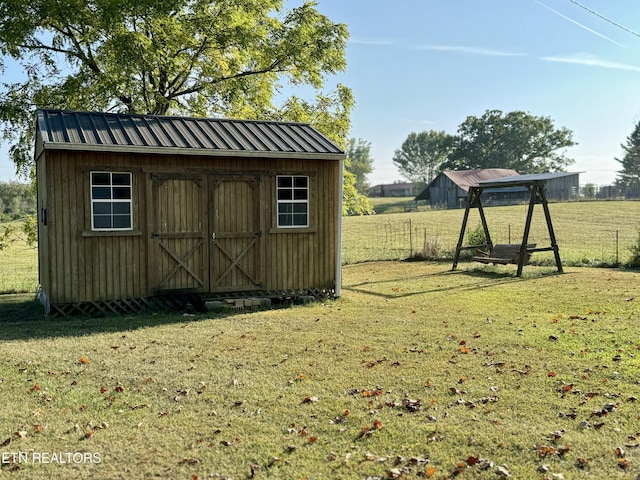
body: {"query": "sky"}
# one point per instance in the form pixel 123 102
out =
pixel 417 65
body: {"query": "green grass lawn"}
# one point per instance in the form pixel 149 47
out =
pixel 416 372
pixel 588 233
pixel 18 263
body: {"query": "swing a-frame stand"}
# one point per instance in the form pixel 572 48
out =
pixel 510 253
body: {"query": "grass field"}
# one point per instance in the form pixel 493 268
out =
pixel 588 233
pixel 18 263
pixel 416 372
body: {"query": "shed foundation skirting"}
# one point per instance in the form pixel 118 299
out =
pixel 238 302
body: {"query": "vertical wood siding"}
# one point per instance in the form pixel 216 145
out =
pixel 78 265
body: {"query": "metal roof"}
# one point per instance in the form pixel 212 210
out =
pixel 468 178
pixel 519 180
pixel 63 129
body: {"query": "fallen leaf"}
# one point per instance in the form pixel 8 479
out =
pixel 84 360
pixel 430 471
pixel 623 463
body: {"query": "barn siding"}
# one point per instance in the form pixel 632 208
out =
pixel 78 265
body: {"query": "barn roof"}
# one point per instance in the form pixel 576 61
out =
pixel 520 180
pixel 67 130
pixel 468 178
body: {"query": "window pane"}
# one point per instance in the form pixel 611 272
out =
pixel 100 192
pixel 300 219
pixel 121 221
pixel 101 221
pixel 299 208
pixel 285 220
pixel 284 195
pixel 285 208
pixel 121 193
pixel 101 178
pixel 284 182
pixel 121 179
pixel 101 208
pixel 300 182
pixel 300 194
pixel 121 208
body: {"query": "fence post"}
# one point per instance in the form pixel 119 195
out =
pixel 617 250
pixel 410 240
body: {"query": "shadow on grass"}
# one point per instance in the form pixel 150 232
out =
pixel 23 318
pixel 486 278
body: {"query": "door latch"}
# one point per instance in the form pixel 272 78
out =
pixel 213 236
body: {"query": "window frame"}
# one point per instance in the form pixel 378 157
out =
pixel 111 200
pixel 293 201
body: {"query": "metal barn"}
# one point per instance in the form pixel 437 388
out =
pixel 450 189
pixel 134 208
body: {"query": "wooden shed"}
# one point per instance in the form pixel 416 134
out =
pixel 134 209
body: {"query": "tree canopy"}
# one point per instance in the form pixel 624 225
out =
pixel 360 162
pixel 231 58
pixel 629 176
pixel 516 140
pixel 421 155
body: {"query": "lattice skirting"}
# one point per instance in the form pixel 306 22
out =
pixel 181 302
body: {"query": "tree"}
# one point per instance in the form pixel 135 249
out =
pixel 198 57
pixel 421 155
pixel 516 140
pixel 330 114
pixel 360 162
pixel 629 176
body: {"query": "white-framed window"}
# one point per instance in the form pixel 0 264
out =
pixel 293 201
pixel 111 201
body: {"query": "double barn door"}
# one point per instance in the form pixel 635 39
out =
pixel 205 233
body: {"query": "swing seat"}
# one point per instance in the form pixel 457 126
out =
pixel 503 254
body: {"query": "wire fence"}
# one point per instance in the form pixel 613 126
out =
pixel 401 240
pixel 593 234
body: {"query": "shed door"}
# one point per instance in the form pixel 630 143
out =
pixel 235 233
pixel 179 236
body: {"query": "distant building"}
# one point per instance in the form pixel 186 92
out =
pixel 451 189
pixel 400 189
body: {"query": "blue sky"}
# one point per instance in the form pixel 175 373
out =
pixel 417 65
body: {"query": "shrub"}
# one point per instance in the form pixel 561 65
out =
pixel 476 236
pixel 634 261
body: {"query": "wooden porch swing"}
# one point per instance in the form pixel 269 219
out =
pixel 518 254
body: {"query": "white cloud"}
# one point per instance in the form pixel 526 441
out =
pixel 591 61
pixel 469 50
pixel 361 41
